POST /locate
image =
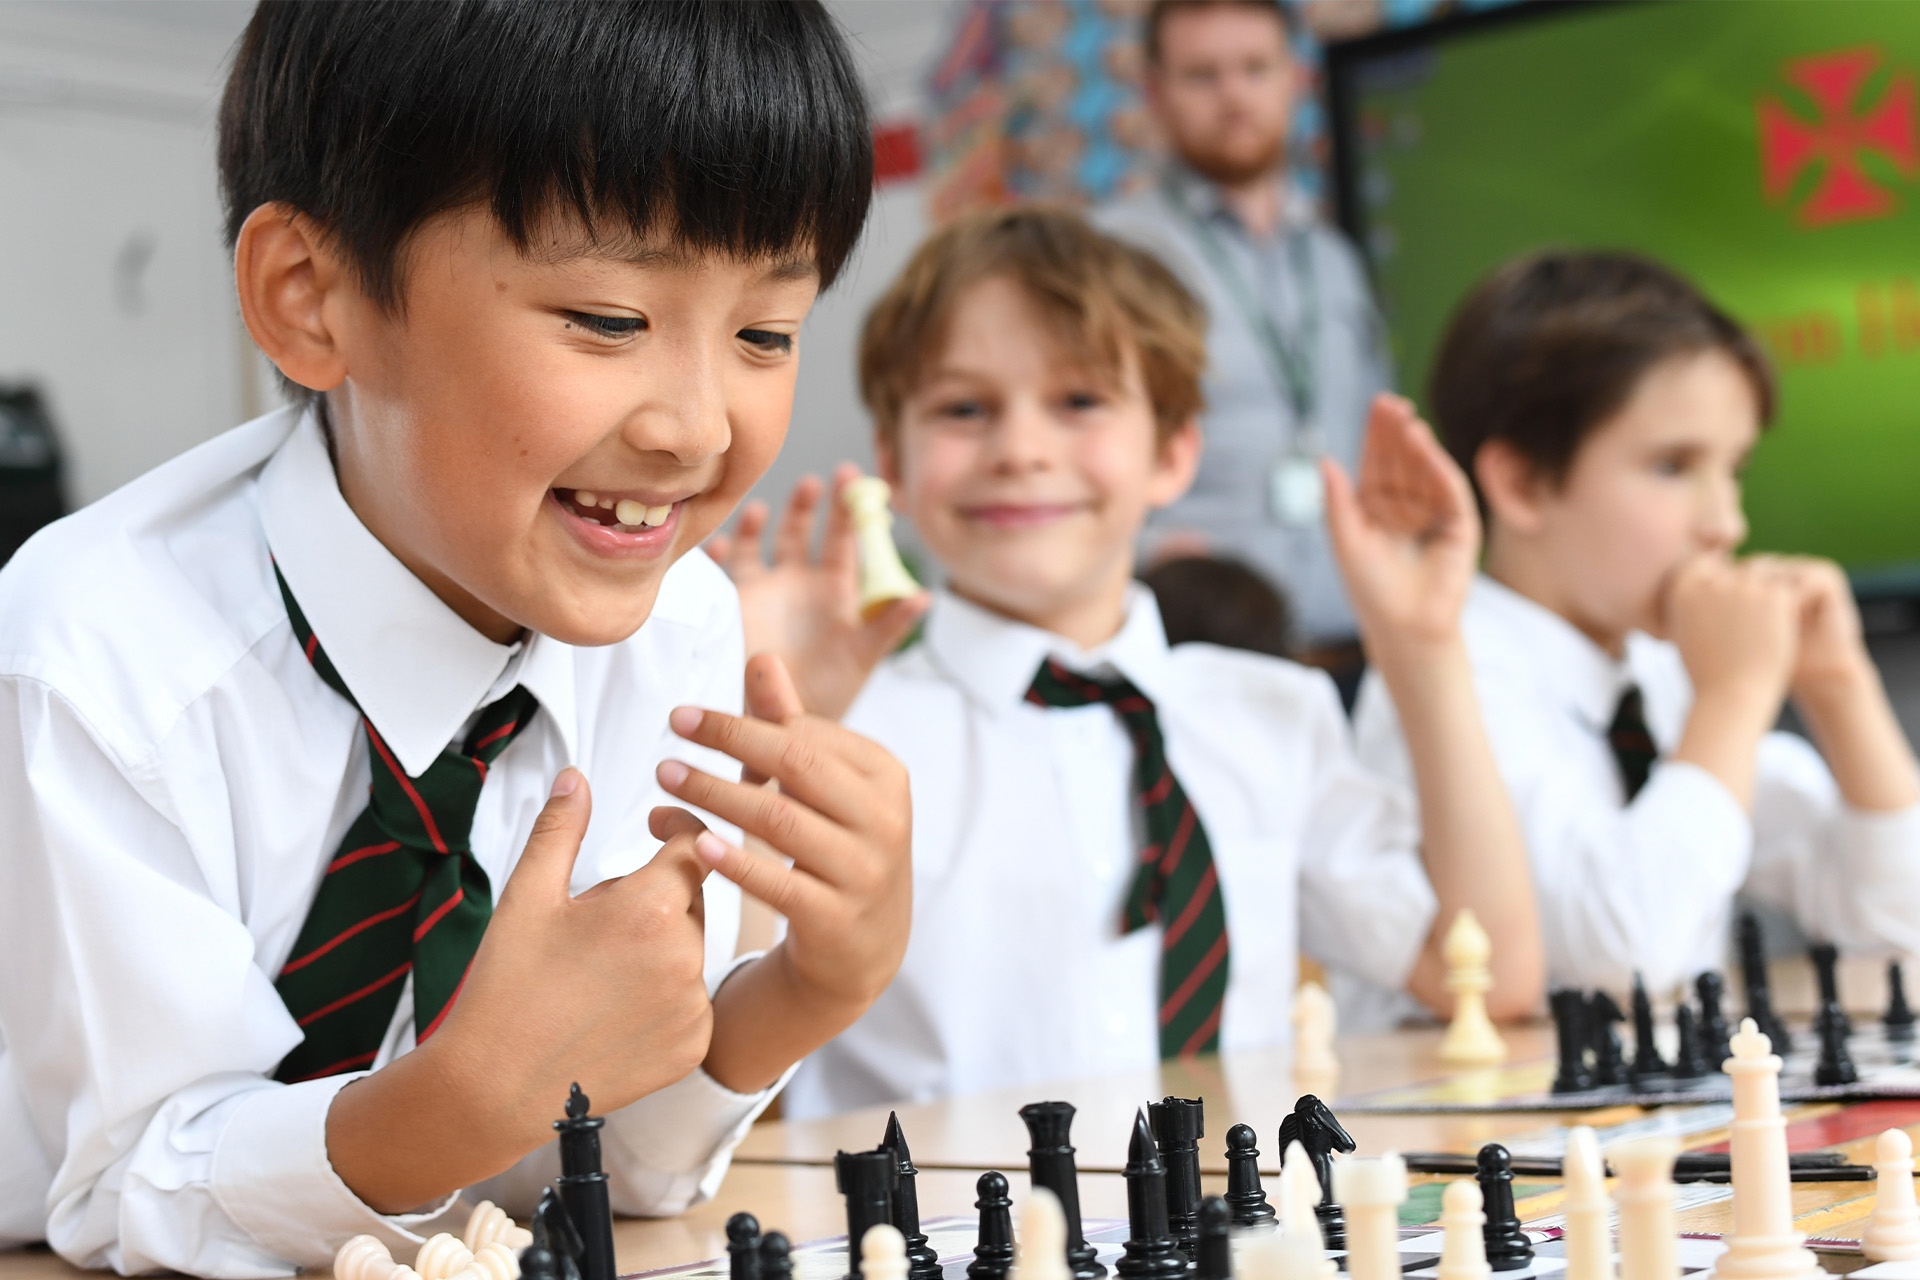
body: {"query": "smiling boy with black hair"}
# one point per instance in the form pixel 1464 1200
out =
pixel 296 850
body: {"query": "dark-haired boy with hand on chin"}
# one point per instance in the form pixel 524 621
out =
pixel 304 923
pixel 1120 847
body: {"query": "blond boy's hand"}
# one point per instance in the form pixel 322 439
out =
pixel 1737 626
pixel 842 815
pixel 1831 649
pixel 1407 535
pixel 806 608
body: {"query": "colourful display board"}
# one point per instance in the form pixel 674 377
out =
pixel 1768 148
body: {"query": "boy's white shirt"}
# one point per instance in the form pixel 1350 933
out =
pixel 1024 838
pixel 174 778
pixel 1649 886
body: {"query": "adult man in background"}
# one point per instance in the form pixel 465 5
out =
pixel 1295 349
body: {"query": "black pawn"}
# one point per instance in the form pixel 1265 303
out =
pixel 993 1248
pixel 1245 1198
pixel 922 1262
pixel 1213 1260
pixel 1149 1253
pixel 1716 1037
pixel 1178 1125
pixel 743 1247
pixel 776 1257
pixel 583 1187
pixel 1602 1014
pixel 1050 1164
pixel 1647 1061
pixel 537 1263
pixel 1898 1019
pixel 1319 1133
pixel 1570 1034
pixel 1836 1064
pixel 1826 965
pixel 866 1179
pixel 1508 1248
pixel 1753 972
pixel 1689 1063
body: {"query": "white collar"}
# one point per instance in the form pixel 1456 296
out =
pixel 1586 677
pixel 415 667
pixel 994 659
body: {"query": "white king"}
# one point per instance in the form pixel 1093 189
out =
pixel 1763 1244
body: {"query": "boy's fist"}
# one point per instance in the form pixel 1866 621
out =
pixel 1737 626
pixel 1831 648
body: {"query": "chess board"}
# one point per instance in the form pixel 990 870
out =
pixel 1888 1069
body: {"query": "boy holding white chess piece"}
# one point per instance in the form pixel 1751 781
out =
pixel 1121 847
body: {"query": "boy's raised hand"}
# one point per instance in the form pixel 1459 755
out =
pixel 1407 534
pixel 806 608
pixel 842 815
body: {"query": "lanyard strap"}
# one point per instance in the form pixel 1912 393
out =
pixel 1289 357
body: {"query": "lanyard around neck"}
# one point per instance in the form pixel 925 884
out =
pixel 1289 356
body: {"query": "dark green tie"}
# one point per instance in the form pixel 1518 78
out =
pixel 1175 882
pixel 402 895
pixel 1632 742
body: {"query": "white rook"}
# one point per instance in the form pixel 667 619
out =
pixel 1763 1244
pixel 1371 1192
pixel 1649 1244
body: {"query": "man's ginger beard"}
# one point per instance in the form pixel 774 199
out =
pixel 1236 167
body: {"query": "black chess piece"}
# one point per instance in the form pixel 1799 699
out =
pixel 1570 1033
pixel 1244 1194
pixel 1753 972
pixel 1050 1164
pixel 993 1247
pixel 743 1247
pixel 1213 1260
pixel 1149 1253
pixel 1314 1127
pixel 1689 1063
pixel 583 1186
pixel 1716 1037
pixel 922 1262
pixel 1508 1248
pixel 553 1230
pixel 1647 1062
pixel 537 1263
pixel 866 1179
pixel 1898 1019
pixel 1602 1015
pixel 1826 969
pixel 1178 1124
pixel 776 1257
pixel 1836 1064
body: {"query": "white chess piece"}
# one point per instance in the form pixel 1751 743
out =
pixel 442 1256
pixel 1463 1246
pixel 883 1253
pixel 1314 1023
pixel 1763 1244
pixel 1471 1040
pixel 883 577
pixel 1588 1239
pixel 1040 1245
pixel 1649 1241
pixel 489 1222
pixel 1893 1232
pixel 1305 1257
pixel 1371 1191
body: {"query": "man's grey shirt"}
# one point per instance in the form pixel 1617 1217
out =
pixel 1249 421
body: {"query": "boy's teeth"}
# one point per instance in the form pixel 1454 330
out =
pixel 630 512
pixel 607 503
pixel 658 515
pixel 584 498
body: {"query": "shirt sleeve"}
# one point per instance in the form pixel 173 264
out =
pixel 142 1045
pixel 1846 875
pixel 1365 902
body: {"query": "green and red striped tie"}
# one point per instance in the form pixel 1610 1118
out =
pixel 402 895
pixel 1175 882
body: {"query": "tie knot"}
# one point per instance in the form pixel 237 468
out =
pixel 1057 685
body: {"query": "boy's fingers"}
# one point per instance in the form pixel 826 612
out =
pixel 672 877
pixel 839 549
pixel 770 691
pixel 546 864
pixel 1342 507
pixel 814 838
pixel 669 820
pixel 789 752
pixel 743 544
pixel 790 542
pixel 781 887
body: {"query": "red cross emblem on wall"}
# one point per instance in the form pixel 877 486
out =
pixel 1835 142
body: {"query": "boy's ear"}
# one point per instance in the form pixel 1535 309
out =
pixel 886 461
pixel 289 281
pixel 1176 460
pixel 1511 485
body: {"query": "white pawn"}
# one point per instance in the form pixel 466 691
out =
pixel 1588 1240
pixel 1305 1255
pixel 1040 1246
pixel 1470 1040
pixel 1893 1232
pixel 1372 1191
pixel 883 1253
pixel 883 577
pixel 1649 1243
pixel 1314 1022
pixel 1763 1244
pixel 1463 1248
